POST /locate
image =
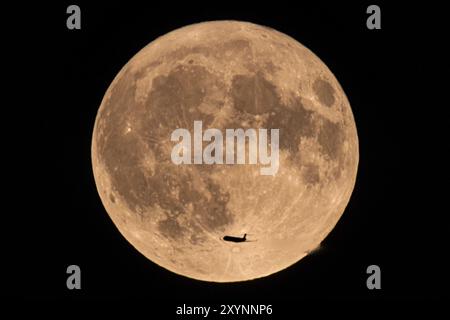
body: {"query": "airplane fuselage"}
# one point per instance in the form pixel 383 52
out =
pixel 235 239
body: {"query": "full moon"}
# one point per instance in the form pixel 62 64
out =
pixel 229 75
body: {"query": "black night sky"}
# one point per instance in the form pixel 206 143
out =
pixel 387 222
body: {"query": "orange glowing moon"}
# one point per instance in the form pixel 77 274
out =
pixel 227 74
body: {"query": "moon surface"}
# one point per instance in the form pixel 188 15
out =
pixel 228 74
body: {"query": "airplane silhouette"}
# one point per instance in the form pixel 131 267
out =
pixel 236 239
